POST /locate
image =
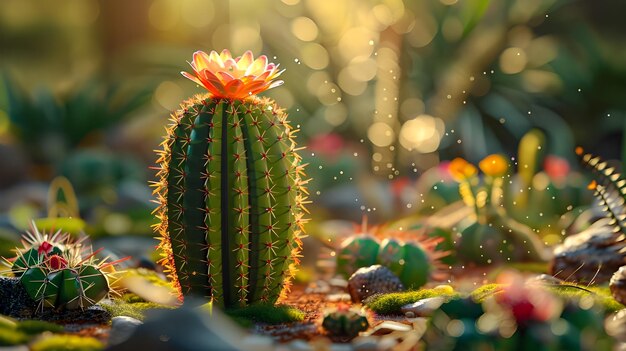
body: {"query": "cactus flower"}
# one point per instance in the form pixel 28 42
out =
pixel 233 78
pixel 44 248
pixel 57 262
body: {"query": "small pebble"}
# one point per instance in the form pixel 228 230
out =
pixel 368 281
pixel 121 329
pixel 338 297
pixel 365 343
pixel 387 327
pixel 300 345
pixel 424 307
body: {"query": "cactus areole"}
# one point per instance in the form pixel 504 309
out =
pixel 231 188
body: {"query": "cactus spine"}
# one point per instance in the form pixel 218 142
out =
pixel 231 196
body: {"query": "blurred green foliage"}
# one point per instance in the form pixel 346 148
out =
pixel 50 126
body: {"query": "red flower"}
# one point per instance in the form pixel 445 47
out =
pixel 57 262
pixel 556 167
pixel 44 248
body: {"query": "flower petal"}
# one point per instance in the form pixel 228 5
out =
pixel 191 77
pixel 276 84
pixel 235 89
pixel 245 60
pixel 225 55
pixel 200 60
pixel 217 59
pixel 225 77
pixel 258 66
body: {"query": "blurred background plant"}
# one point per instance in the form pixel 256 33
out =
pixel 383 91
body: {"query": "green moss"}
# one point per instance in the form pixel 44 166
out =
pixel 152 276
pixel 136 310
pixel 67 343
pixel 602 295
pixel 485 291
pixel 7 323
pixel 262 313
pixel 10 337
pixel 33 327
pixel 391 303
pixel 568 291
pixel 132 298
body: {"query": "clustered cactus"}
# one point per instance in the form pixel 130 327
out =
pixel 345 322
pixel 60 273
pixel 231 188
pixel 413 261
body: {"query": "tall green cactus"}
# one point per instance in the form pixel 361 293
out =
pixel 231 189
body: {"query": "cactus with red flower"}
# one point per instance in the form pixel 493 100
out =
pixel 61 273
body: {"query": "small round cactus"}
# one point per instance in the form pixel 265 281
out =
pixel 60 273
pixel 356 252
pixel 409 261
pixel 345 322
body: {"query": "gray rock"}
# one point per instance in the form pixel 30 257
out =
pixel 599 247
pixel 341 347
pixel 368 281
pixel 121 328
pixel 424 307
pixel 14 348
pixel 300 345
pixel 365 343
pixel 185 329
pixel 617 285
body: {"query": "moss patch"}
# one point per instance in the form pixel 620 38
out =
pixel 136 310
pixel 67 343
pixel 485 291
pixel 568 291
pixel 7 322
pixel 33 327
pixel 602 294
pixel 9 337
pixel 391 303
pixel 261 313
pixel 152 276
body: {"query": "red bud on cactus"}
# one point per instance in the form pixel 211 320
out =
pixel 44 248
pixel 57 262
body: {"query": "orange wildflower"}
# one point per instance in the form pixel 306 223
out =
pixel 494 165
pixel 233 78
pixel 461 170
